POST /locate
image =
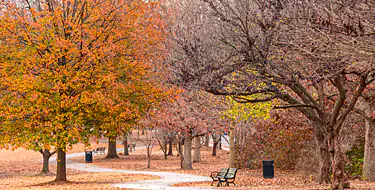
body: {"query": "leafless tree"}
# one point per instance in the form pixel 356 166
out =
pixel 315 56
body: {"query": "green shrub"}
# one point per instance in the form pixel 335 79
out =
pixel 355 164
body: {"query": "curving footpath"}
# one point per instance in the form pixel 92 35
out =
pixel 167 179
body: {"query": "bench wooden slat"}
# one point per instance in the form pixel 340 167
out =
pixel 98 150
pixel 227 175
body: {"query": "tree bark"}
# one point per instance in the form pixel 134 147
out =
pixel 126 146
pixel 170 151
pixel 215 142
pixel 197 152
pixel 368 172
pixel 45 168
pixel 61 165
pixel 325 163
pixel 231 161
pixel 112 152
pixel 340 178
pixel 162 139
pixel 46 155
pixel 161 135
pixel 187 165
pixel 220 145
pixel 214 149
pixel 148 157
pixel 180 152
pixel 165 149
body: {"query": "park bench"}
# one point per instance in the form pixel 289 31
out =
pixel 133 146
pixel 98 150
pixel 227 175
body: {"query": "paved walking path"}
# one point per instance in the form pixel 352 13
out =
pixel 167 179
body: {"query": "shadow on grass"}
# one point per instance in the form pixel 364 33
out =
pixel 61 183
pixel 9 175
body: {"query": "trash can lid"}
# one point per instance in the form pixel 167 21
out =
pixel 268 161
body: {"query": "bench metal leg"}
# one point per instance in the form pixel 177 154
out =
pixel 218 183
pixel 227 183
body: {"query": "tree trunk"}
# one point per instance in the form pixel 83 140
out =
pixel 45 164
pixel 340 178
pixel 325 163
pixel 231 163
pixel 180 152
pixel 148 157
pixel 214 148
pixel 112 152
pixel 187 165
pixel 61 165
pixel 165 149
pixel 46 155
pixel 207 140
pixel 368 172
pixel 197 152
pixel 215 142
pixel 220 145
pixel 126 146
pixel 170 151
pixel 161 136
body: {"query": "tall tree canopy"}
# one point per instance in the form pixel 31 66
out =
pixel 63 62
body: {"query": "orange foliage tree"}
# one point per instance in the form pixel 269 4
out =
pixel 65 62
pixel 125 103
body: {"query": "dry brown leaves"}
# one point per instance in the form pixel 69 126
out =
pixel 20 169
pixel 246 178
pixel 76 181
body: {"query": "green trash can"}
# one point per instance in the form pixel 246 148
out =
pixel 268 169
pixel 88 156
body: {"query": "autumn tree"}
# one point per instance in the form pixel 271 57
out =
pixel 11 140
pixel 162 138
pixel 127 103
pixel 140 88
pixel 188 118
pixel 61 59
pixel 153 132
pixel 238 113
pixel 281 137
pixel 299 53
pixel 149 141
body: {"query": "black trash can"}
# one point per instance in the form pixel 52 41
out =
pixel 88 156
pixel 268 169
